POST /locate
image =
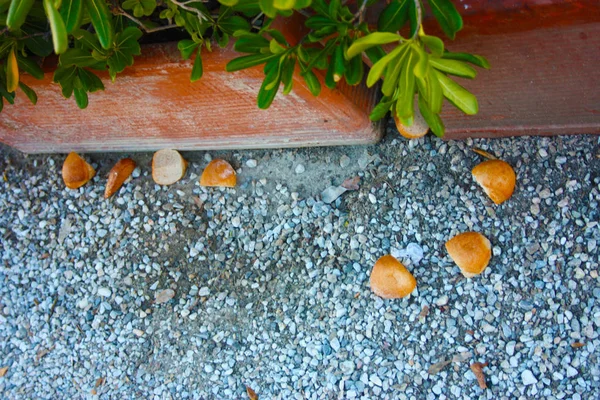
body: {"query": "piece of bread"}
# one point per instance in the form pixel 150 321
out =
pixel 76 172
pixel 117 175
pixel 419 127
pixel 471 251
pixel 497 178
pixel 218 173
pixel 168 166
pixel 390 279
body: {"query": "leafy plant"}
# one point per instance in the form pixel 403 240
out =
pixel 96 35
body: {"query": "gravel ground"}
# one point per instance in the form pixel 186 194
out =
pixel 271 287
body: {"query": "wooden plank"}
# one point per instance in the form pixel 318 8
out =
pixel 542 82
pixel 153 105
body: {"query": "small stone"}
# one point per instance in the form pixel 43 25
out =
pixel 101 232
pixel 138 332
pixel 104 292
pixel 344 161
pixel 528 378
pixel 372 198
pixel 571 372
pixel 203 292
pixel 442 300
pixel 236 222
pixel 347 367
pixel 164 295
pixel 300 169
pixel 251 163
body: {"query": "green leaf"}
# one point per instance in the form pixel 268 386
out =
pixel 187 47
pixel 17 12
pixel 275 47
pixel 457 95
pixel 435 96
pixel 89 40
pixel 355 71
pixel 57 26
pixel 197 68
pixel 329 75
pixel 81 98
pixel 30 66
pixel 380 110
pixel 447 16
pixel 65 77
pixel 90 81
pixel 312 82
pixel 302 4
pixel 334 6
pixel 70 12
pixel 288 75
pixel 433 119
pixel 373 39
pixel 79 57
pixel 378 68
pixel 474 59
pixel 251 44
pixel 413 16
pixel 266 96
pixel 127 37
pixel 273 71
pixel 392 73
pixel 423 58
pixel 394 16
pixel 223 40
pixel 406 86
pixel 248 61
pixel 275 34
pixel 375 54
pixel 149 6
pixel 453 67
pixel 29 92
pixel 268 8
pixel 284 4
pixel 234 23
pixel 39 46
pixel 12 71
pixel 434 44
pixel 339 67
pixel 248 7
pixel 228 3
pixel 318 22
pixel 101 20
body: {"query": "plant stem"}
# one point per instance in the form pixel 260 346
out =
pixel 141 24
pixel 361 12
pixel 199 13
pixel 419 17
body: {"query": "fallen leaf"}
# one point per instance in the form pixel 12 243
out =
pixel 577 345
pixel 437 367
pixel 3 371
pixel 118 175
pixel 163 296
pixel 351 183
pixel 460 357
pixel 330 194
pixel 484 153
pixel 42 353
pixel 99 382
pixel 198 202
pixel 251 393
pixel 423 313
pixel 477 369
